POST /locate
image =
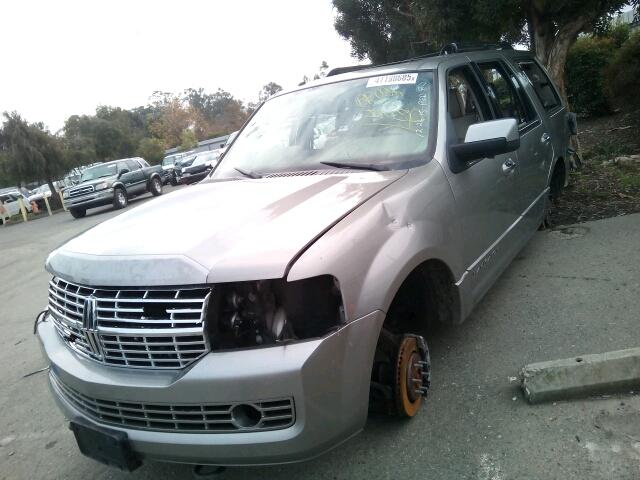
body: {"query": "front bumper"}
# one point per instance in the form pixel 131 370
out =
pixel 93 199
pixel 327 378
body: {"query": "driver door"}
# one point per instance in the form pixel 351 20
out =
pixel 484 191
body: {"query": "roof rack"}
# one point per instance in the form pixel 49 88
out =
pixel 448 49
pixel 473 47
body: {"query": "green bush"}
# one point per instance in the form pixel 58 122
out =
pixel 585 71
pixel 151 149
pixel 623 74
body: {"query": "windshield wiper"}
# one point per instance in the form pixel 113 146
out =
pixel 357 166
pixel 247 173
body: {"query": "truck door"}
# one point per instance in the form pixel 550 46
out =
pixel 535 153
pixel 484 192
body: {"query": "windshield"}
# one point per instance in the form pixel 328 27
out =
pixel 382 122
pixel 168 161
pixel 106 170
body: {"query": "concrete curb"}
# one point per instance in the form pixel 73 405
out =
pixel 609 372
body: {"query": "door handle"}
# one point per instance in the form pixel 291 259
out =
pixel 508 166
pixel 545 138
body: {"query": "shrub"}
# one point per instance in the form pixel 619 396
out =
pixel 585 68
pixel 623 73
pixel 151 149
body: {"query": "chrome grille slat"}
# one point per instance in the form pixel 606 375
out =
pixel 169 336
pixel 76 192
pixel 209 418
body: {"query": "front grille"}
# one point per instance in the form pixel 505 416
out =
pixel 155 328
pixel 77 192
pixel 209 418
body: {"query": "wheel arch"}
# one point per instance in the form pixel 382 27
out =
pixel 424 293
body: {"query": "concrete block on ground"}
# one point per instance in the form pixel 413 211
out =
pixel 582 376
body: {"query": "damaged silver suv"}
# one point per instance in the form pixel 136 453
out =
pixel 257 316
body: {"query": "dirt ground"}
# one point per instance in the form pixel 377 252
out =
pixel 602 189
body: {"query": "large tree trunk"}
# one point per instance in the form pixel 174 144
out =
pixel 552 42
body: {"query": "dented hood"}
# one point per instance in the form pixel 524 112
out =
pixel 215 231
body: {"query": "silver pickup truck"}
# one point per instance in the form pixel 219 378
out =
pixel 256 317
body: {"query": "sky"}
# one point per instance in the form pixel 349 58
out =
pixel 66 57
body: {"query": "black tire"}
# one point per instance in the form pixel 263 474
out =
pixel 78 212
pixel 155 186
pixel 174 179
pixel 120 199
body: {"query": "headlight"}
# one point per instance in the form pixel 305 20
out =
pixel 271 312
pixel 65 194
pixel 102 186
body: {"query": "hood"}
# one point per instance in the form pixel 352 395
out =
pixel 217 231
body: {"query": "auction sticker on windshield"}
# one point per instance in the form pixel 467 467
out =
pixel 399 79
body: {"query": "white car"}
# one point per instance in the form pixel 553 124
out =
pixel 9 200
pixel 38 194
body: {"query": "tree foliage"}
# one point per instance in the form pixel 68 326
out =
pixel 389 30
pixel 623 73
pixel 30 152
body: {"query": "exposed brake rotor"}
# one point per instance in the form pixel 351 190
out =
pixel 412 375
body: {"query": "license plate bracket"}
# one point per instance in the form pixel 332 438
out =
pixel 110 447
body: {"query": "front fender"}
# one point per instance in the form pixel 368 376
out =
pixel 373 250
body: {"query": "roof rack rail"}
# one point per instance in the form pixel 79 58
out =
pixel 352 68
pixel 473 47
pixel 446 50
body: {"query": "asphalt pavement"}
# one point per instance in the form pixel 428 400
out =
pixel 570 292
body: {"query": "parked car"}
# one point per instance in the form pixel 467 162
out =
pixel 38 195
pixel 197 167
pixel 348 215
pixel 169 168
pixel 112 183
pixel 9 201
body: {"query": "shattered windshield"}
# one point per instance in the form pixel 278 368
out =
pixel 379 123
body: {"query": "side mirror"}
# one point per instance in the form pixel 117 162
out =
pixel 122 172
pixel 485 140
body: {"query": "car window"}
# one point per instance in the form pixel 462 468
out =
pixel 382 121
pixel 541 84
pixel 502 92
pixel 133 165
pixel 465 103
pixel 99 171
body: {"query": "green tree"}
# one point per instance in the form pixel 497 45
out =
pixel 188 140
pixel 388 30
pixel 31 152
pixel 623 73
pixel 151 149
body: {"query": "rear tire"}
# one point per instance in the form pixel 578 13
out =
pixel 78 212
pixel 155 186
pixel 120 199
pixel 174 179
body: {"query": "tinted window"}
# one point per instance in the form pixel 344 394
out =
pixel 541 84
pixel 502 92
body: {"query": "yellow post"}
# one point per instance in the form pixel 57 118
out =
pixel 23 210
pixel 46 202
pixel 62 200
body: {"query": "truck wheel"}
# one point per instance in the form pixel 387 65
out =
pixel 174 179
pixel 155 186
pixel 77 212
pixel 120 199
